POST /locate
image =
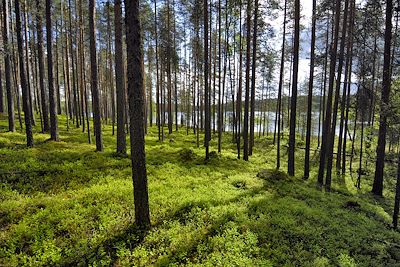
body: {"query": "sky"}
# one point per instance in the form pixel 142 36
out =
pixel 305 43
pixel 305 36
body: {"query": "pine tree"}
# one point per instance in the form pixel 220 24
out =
pixel 136 112
pixel 94 76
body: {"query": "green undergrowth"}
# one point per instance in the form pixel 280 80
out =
pixel 63 204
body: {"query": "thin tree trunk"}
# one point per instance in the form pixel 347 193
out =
pixel 253 78
pixel 219 124
pixel 94 82
pixel 239 92
pixel 52 94
pixel 25 96
pixel 278 115
pixel 120 79
pixel 207 127
pixel 345 95
pixel 310 93
pixel 397 196
pixel 28 75
pixel 336 100
pixel 377 187
pixel 169 78
pixel 247 94
pixel 73 65
pixel 326 132
pixel 292 137
pixel 39 27
pixel 7 71
pixel 58 71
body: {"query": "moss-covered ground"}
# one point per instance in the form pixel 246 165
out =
pixel 63 204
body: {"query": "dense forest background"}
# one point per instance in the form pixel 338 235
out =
pixel 242 124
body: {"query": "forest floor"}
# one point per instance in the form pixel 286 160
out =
pixel 63 204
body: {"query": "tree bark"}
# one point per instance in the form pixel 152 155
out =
pixel 280 86
pixel 207 127
pixel 377 187
pixel 39 26
pixel 293 105
pixel 119 79
pixel 310 93
pixel 7 70
pixel 336 100
pixel 52 94
pixel 94 82
pixel 247 93
pixel 253 78
pixel 25 93
pixel 136 112
pixel 328 112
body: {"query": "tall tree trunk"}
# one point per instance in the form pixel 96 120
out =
pixel 219 124
pixel 281 74
pixel 292 134
pixel 158 118
pixel 346 118
pixel 119 79
pixel 253 78
pixel 73 66
pixel 175 72
pixel 326 131
pixel 25 96
pixel 94 82
pixel 81 61
pixel 336 100
pixel 43 94
pixel 239 92
pixel 310 93
pixel 136 112
pixel 345 95
pixel 7 70
pixel 110 72
pixel 207 127
pixel 15 66
pixel 321 116
pixel 58 71
pixel 52 95
pixel 377 187
pixel 28 75
pixel 169 78
pixel 247 94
